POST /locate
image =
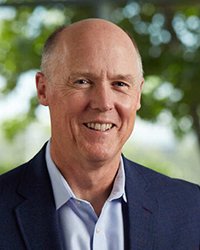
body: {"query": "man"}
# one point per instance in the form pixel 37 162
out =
pixel 78 192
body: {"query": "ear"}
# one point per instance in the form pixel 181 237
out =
pixel 139 94
pixel 41 85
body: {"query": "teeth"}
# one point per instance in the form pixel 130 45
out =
pixel 99 126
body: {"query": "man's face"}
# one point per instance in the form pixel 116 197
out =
pixel 93 97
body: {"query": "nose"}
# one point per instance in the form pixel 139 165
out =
pixel 101 98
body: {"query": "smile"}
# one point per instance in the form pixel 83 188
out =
pixel 99 126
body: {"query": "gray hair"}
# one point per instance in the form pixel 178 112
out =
pixel 49 50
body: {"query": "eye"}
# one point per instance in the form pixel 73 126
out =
pixel 120 84
pixel 82 81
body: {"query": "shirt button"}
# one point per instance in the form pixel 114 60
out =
pixel 98 230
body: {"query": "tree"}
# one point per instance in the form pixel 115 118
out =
pixel 168 37
pixel 169 40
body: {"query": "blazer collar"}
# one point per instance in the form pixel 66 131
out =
pixel 38 219
pixel 141 209
pixel 36 215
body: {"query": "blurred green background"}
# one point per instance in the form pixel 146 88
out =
pixel 167 132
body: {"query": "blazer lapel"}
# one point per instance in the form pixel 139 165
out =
pixel 36 216
pixel 140 210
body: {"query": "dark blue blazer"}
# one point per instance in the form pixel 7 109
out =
pixel 161 213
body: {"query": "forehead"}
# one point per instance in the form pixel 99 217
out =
pixel 97 47
pixel 113 60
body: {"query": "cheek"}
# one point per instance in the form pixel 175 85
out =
pixel 70 105
pixel 127 111
pixel 129 107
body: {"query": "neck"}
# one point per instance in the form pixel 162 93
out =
pixel 91 181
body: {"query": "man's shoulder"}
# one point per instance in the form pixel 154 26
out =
pixel 10 179
pixel 161 184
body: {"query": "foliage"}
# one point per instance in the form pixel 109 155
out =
pixel 168 37
pixel 169 40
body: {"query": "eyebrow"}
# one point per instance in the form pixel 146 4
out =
pixel 128 77
pixel 125 77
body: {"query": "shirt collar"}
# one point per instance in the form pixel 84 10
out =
pixel 62 191
pixel 118 189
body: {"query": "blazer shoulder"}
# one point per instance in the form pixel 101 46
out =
pixel 165 186
pixel 11 179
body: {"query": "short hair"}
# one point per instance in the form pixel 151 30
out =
pixel 49 49
pixel 137 51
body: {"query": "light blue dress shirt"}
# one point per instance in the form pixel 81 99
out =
pixel 82 229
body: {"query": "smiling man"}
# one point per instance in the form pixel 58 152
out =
pixel 79 192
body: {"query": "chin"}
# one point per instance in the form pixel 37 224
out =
pixel 99 155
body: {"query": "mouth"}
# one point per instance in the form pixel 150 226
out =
pixel 99 126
